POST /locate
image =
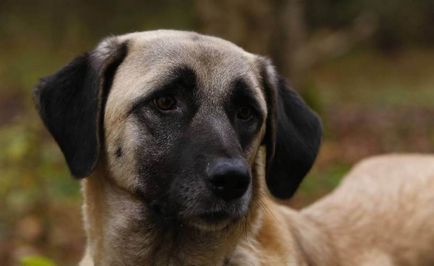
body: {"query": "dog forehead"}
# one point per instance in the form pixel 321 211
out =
pixel 159 41
pixel 151 55
pixel 207 56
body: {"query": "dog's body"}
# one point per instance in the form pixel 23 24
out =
pixel 179 135
pixel 381 215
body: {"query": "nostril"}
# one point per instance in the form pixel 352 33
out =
pixel 229 179
pixel 241 183
pixel 219 182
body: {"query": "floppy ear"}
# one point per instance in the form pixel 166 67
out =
pixel 71 102
pixel 293 135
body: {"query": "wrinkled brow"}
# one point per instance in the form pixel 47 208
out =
pixel 242 93
pixel 180 78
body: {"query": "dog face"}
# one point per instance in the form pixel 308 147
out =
pixel 178 119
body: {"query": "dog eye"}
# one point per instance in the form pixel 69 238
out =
pixel 245 113
pixel 165 103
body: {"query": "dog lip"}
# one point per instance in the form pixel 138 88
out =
pixel 214 217
pixel 212 221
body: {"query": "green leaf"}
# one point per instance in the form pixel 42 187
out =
pixel 36 261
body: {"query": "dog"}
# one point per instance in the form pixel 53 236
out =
pixel 182 142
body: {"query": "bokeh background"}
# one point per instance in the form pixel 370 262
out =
pixel 366 66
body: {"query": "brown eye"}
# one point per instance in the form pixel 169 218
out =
pixel 245 113
pixel 165 103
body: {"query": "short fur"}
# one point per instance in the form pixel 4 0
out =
pixel 147 170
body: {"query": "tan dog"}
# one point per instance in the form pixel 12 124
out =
pixel 179 135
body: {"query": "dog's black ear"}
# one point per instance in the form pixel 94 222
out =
pixel 293 135
pixel 71 102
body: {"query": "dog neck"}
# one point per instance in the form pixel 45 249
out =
pixel 286 237
pixel 119 234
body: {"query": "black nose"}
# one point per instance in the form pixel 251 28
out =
pixel 228 178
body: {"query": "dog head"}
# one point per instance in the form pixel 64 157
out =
pixel 178 119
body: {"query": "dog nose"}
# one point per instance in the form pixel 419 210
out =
pixel 229 179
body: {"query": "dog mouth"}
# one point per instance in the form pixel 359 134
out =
pixel 205 220
pixel 205 216
pixel 212 221
pixel 215 220
pixel 214 217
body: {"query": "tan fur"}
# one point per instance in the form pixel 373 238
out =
pixel 382 214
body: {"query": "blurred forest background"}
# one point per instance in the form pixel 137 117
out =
pixel 366 66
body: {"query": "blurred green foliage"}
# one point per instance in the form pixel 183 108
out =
pixel 401 22
pixel 36 261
